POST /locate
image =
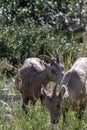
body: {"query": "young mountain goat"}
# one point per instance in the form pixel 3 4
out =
pixel 35 72
pixel 72 94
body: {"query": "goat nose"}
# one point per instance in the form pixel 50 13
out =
pixel 55 121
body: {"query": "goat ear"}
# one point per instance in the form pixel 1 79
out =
pixel 44 91
pixel 54 91
pixel 61 59
pixel 62 91
pixel 57 58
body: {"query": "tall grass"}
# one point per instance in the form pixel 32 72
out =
pixel 37 119
pixel 12 117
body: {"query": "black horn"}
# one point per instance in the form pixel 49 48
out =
pixel 48 58
pixel 57 58
pixel 54 91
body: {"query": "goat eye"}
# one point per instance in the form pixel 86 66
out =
pixel 58 106
pixel 53 71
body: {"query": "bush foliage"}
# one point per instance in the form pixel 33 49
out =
pixel 35 27
pixel 30 28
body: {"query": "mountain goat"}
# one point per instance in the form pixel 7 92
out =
pixel 72 94
pixel 35 72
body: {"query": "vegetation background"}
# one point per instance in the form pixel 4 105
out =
pixel 30 28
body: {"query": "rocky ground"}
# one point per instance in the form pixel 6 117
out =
pixel 8 96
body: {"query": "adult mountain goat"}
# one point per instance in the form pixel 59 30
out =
pixel 35 72
pixel 72 93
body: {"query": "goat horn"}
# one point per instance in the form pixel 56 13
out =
pixel 46 65
pixel 54 91
pixel 47 58
pixel 57 56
